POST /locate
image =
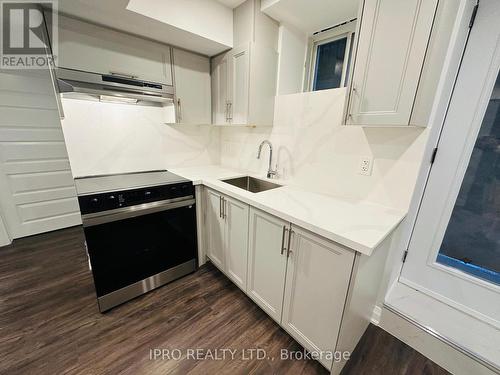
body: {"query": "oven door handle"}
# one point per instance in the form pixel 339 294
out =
pixel 109 216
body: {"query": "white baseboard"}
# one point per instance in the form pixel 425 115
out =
pixel 430 346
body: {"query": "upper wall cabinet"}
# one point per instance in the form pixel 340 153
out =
pixel 244 78
pixel 244 86
pixel 192 87
pixel 392 43
pixel 91 48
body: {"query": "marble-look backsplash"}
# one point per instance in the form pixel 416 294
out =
pixel 316 152
pixel 104 138
pixel 313 150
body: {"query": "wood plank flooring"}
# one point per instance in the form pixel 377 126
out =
pixel 49 323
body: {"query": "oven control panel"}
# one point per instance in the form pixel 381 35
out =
pixel 118 199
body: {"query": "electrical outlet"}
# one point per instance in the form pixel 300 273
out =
pixel 365 165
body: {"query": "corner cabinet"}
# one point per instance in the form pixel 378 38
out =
pixel 192 87
pixel 88 47
pixel 244 86
pixel 392 43
pixel 227 236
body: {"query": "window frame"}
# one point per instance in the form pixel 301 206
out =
pixel 338 32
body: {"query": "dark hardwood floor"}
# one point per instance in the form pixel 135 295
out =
pixel 49 323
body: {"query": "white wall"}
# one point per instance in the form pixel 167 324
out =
pixel 207 18
pixel 292 46
pixel 104 138
pixel 316 152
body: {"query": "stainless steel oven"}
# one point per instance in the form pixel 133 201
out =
pixel 138 238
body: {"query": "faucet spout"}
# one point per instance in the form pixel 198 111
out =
pixel 270 172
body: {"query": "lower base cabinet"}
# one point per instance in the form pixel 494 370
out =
pixel 299 279
pixel 267 262
pixel 317 280
pixel 227 236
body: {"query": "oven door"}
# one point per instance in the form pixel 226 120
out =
pixel 141 246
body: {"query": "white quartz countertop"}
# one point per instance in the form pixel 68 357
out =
pixel 358 225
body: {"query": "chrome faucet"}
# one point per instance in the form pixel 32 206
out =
pixel 270 172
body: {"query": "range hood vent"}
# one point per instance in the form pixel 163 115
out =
pixel 74 83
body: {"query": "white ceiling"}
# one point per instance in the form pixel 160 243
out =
pixel 113 13
pixel 310 16
pixel 231 3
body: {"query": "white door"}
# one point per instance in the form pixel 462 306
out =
pixel 37 192
pixel 454 250
pixel 317 280
pixel 392 43
pixel 91 48
pixel 192 87
pixel 267 262
pixel 239 73
pixel 219 69
pixel 236 241
pixel 215 229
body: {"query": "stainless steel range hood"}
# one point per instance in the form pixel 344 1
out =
pixel 74 83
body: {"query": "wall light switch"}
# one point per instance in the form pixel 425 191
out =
pixel 365 165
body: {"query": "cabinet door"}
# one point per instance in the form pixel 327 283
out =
pixel 219 89
pixel 239 73
pixel 236 244
pixel 317 280
pixel 192 87
pixel 215 229
pixel 91 48
pixel 392 43
pixel 266 262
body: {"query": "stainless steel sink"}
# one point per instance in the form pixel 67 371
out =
pixel 251 184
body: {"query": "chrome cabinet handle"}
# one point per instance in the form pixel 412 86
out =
pixel 283 247
pixel 224 215
pixel 289 251
pixel 179 109
pixel 230 111
pixel 220 206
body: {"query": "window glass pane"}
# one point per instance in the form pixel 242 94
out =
pixel 472 239
pixel 329 64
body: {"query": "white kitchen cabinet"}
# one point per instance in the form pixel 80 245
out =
pixel 215 228
pixel 236 241
pixel 317 281
pixel 244 86
pixel 227 236
pixel 392 43
pixel 192 87
pixel 87 47
pixel 267 260
pixel 220 89
pixel 239 76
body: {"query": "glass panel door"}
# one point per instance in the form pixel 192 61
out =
pixel 472 239
pixel 454 251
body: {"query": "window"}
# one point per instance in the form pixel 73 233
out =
pixel 330 56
